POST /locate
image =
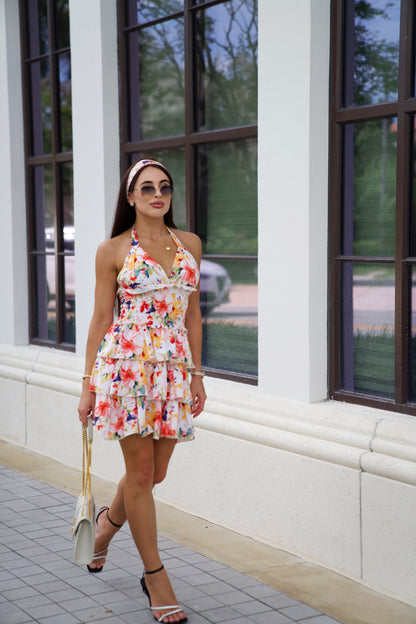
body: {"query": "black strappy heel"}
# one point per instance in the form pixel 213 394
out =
pixel 175 608
pixel 99 555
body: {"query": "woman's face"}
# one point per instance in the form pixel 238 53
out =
pixel 152 192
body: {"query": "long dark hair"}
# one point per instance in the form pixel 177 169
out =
pixel 125 215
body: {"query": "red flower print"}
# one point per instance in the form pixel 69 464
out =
pixel 128 376
pixel 127 346
pixel 188 273
pixel 162 303
pixel 102 408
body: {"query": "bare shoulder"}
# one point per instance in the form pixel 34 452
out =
pixel 112 251
pixel 191 241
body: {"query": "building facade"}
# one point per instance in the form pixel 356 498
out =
pixel 301 188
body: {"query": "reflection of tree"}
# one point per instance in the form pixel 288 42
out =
pixel 374 189
pixel 226 39
pixel 375 67
pixel 376 59
pixel 161 57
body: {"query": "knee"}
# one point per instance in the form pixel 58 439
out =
pixel 159 475
pixel 141 480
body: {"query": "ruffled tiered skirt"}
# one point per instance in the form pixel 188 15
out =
pixel 141 381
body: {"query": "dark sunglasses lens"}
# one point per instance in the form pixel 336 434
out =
pixel 149 191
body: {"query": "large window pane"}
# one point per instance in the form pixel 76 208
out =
pixel 413 194
pixel 44 291
pixel 67 195
pixel 142 11
pixel 412 337
pixel 371 51
pixel 37 26
pixel 43 208
pixel 69 312
pixel 367 329
pixel 40 108
pixel 62 24
pixel 65 102
pixel 227 197
pixel 226 54
pixel 156 81
pixel 229 307
pixel 369 198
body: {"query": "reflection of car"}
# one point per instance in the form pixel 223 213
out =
pixel 215 285
pixel 215 281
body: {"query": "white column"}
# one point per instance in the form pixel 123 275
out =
pixel 293 197
pixel 95 121
pixel 13 246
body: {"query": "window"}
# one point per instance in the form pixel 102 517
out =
pixel 372 204
pixel 189 99
pixel 49 179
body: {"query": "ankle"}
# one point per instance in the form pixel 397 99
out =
pixel 115 524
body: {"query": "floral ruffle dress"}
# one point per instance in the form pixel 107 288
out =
pixel 140 375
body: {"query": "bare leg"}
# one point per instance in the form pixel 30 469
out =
pixel 162 452
pixel 139 456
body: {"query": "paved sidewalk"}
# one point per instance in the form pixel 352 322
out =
pixel 39 583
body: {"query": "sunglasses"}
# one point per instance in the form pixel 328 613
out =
pixel 149 191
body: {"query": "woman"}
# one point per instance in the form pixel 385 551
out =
pixel 137 387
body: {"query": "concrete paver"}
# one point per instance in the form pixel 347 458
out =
pixel 40 583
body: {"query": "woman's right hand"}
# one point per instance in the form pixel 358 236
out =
pixel 86 404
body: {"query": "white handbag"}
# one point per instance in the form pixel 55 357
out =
pixel 83 528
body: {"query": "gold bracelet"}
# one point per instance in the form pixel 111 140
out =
pixel 198 373
pixel 86 377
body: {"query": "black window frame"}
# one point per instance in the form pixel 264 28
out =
pixel 191 138
pixel 55 159
pixel 404 109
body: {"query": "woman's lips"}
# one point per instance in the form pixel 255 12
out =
pixel 157 204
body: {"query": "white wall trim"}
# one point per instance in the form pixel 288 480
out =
pixel 366 439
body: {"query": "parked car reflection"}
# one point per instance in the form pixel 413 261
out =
pixel 215 280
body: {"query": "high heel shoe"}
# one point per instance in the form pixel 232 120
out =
pixel 175 608
pixel 99 555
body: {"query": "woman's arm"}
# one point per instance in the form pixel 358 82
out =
pixel 102 318
pixel 193 323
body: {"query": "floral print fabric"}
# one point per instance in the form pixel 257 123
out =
pixel 140 374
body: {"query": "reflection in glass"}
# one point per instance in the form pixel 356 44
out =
pixel 44 297
pixel 65 103
pixel 367 329
pixel 43 208
pixel 228 296
pixel 40 108
pixel 369 197
pixel 413 194
pixel 142 11
pixel 62 24
pixel 226 63
pixel 37 20
pixel 67 195
pixel 412 337
pixel 371 51
pixel 156 81
pixel 69 317
pixel 227 197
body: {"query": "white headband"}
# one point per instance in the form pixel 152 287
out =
pixel 139 165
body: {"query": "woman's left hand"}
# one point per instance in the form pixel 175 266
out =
pixel 198 395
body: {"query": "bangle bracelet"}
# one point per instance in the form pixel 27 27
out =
pixel 198 373
pixel 86 377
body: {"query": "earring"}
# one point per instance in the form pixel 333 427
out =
pixel 131 203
